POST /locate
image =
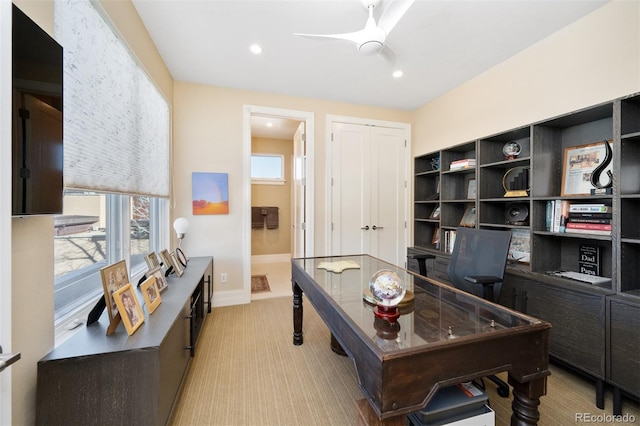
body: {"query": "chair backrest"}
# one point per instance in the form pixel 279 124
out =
pixel 479 252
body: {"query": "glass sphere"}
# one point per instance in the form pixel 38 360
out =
pixel 511 150
pixel 387 288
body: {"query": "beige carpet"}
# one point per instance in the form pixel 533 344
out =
pixel 248 372
pixel 259 284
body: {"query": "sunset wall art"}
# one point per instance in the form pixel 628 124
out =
pixel 210 193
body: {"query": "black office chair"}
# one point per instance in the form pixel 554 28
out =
pixel 477 266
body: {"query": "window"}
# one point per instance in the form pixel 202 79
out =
pixel 267 169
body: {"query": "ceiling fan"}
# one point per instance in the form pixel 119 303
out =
pixel 370 40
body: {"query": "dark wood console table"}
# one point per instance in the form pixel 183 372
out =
pixel 96 379
pixel 443 337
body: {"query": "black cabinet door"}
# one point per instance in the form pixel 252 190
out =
pixel 624 355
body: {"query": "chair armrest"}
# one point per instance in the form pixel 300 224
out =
pixel 483 279
pixel 420 256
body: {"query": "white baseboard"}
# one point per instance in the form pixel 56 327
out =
pixel 231 298
pixel 271 258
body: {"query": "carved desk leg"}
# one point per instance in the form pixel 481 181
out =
pixel 297 314
pixel 526 399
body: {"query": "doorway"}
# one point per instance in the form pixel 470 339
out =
pixel 291 133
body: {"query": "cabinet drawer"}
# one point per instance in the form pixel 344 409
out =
pixel 624 358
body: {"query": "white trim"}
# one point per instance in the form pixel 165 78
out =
pixel 308 118
pixel 231 297
pixel 271 258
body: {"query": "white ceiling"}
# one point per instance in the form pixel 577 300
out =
pixel 438 44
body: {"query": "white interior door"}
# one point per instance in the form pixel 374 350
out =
pixel 299 188
pixel 368 192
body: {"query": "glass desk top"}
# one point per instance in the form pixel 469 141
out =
pixel 432 312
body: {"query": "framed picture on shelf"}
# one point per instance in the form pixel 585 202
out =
pixel 435 240
pixel 471 189
pixel 113 277
pixel 177 266
pixel 167 261
pixel 435 214
pixel 520 247
pixel 152 260
pixel 160 280
pixel 151 294
pixel 578 164
pixel 469 217
pixel 129 308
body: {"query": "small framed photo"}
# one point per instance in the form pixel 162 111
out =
pixel 471 189
pixel 151 294
pixel 520 246
pixel 579 162
pixel 152 260
pixel 469 217
pixel 113 277
pixel 435 240
pixel 129 308
pixel 167 261
pixel 435 214
pixel 160 280
pixel 177 266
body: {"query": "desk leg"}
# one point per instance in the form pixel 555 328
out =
pixel 526 399
pixel 297 314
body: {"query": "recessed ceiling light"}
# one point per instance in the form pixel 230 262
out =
pixel 397 74
pixel 255 48
pixel 269 124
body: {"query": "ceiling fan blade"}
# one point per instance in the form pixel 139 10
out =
pixel 388 54
pixel 356 37
pixel 393 13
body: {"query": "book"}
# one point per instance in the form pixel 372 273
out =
pixel 557 216
pixel 564 215
pixel 589 226
pixel 589 259
pixel 588 231
pixel 469 217
pixel 588 220
pixel 462 164
pixel 549 215
pixel 590 208
pixel 584 215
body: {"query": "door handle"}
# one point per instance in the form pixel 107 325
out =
pixel 366 228
pixel 377 227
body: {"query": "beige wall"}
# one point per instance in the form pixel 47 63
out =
pixel 31 254
pixel 594 60
pixel 273 241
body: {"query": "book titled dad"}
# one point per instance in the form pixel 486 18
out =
pixel 589 260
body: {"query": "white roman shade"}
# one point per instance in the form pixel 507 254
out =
pixel 116 121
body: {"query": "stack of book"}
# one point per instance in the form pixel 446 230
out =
pixel 564 216
pixel 466 163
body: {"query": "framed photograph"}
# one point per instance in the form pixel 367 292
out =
pixel 471 189
pixel 435 240
pixel 469 217
pixel 167 261
pixel 129 308
pixel 151 294
pixel 152 260
pixel 114 277
pixel 177 266
pixel 579 162
pixel 160 280
pixel 520 247
pixel 435 214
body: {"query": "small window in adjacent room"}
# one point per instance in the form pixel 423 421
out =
pixel 267 169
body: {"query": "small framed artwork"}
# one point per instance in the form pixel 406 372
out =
pixel 469 217
pixel 167 261
pixel 114 277
pixel 471 189
pixel 520 247
pixel 160 280
pixel 129 308
pixel 435 214
pixel 152 260
pixel 435 240
pixel 177 266
pixel 151 294
pixel 579 162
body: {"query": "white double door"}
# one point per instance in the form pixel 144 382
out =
pixel 369 190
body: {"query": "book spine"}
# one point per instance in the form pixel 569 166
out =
pixel 588 231
pixel 590 215
pixel 590 208
pixel 588 220
pixel 557 215
pixel 564 215
pixel 549 215
pixel 593 226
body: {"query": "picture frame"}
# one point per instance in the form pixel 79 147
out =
pixel 176 264
pixel 152 260
pixel 129 308
pixel 114 277
pixel 169 267
pixel 520 246
pixel 577 166
pixel 435 214
pixel 435 240
pixel 160 279
pixel 472 186
pixel 151 294
pixel 469 217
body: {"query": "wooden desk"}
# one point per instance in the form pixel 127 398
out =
pixel 95 379
pixel 444 337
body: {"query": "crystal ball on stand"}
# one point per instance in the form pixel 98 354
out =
pixel 511 150
pixel 388 290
